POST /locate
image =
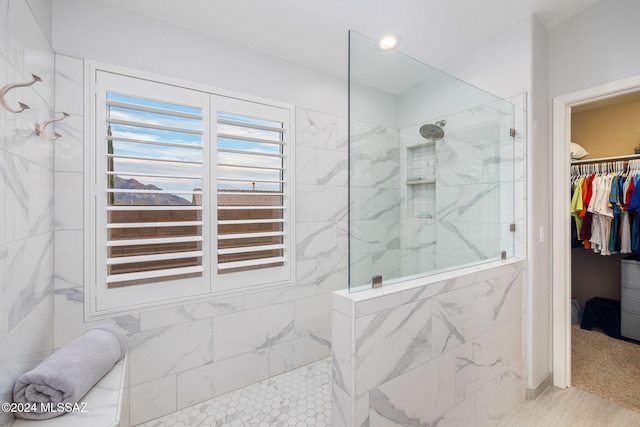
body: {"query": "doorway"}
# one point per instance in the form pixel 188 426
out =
pixel 561 246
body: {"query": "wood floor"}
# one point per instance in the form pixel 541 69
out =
pixel 570 407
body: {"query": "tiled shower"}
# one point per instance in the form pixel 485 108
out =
pixel 179 355
pixel 189 353
pixel 186 354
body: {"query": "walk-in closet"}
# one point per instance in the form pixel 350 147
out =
pixel 605 248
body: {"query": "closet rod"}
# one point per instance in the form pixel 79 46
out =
pixel 606 159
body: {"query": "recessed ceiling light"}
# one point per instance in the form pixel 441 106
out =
pixel 389 41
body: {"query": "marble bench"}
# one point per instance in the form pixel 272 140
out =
pixel 106 404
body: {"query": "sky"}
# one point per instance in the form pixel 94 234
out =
pixel 184 156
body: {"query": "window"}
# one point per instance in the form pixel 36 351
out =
pixel 190 193
pixel 253 212
pixel 154 191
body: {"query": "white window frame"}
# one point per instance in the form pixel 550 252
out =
pixel 101 302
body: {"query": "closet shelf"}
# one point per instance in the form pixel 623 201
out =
pixel 606 159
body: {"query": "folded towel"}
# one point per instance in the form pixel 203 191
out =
pixel 69 373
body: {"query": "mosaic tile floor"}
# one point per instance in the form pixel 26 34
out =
pixel 300 398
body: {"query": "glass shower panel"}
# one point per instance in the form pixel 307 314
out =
pixel 431 163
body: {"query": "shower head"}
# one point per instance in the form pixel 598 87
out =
pixel 433 132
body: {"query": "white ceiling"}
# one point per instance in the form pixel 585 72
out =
pixel 315 32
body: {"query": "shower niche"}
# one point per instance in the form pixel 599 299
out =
pixel 421 181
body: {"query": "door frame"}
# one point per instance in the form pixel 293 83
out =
pixel 561 245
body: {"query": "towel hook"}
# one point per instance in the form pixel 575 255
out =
pixel 7 88
pixel 41 129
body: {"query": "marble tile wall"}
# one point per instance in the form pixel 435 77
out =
pixel 375 202
pixel 186 354
pixel 449 351
pixel 479 191
pixel 26 198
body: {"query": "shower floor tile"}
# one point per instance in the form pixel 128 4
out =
pixel 301 398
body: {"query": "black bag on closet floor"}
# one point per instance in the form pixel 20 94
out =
pixel 604 313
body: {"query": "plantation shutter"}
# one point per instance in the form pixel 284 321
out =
pixel 151 184
pixel 253 189
pixel 190 193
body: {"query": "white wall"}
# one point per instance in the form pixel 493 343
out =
pixel 97 30
pixel 26 196
pixel 42 11
pixel 515 61
pixel 501 65
pixel 539 212
pixel 596 46
pixel 373 105
pixel 436 97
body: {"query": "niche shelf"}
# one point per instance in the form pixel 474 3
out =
pixel 421 181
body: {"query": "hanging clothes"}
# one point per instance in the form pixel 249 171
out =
pixel 625 227
pixel 575 238
pixel 604 206
pixel 585 232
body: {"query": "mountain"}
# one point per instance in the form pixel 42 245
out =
pixel 144 198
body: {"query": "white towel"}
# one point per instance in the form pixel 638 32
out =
pixel 69 373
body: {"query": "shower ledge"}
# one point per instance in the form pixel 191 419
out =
pixel 363 293
pixel 106 404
